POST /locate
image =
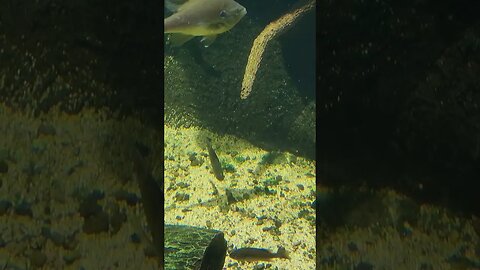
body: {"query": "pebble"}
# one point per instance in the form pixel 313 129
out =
pixel 259 266
pixel 179 197
pixel 230 198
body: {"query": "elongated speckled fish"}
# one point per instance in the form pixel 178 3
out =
pixel 216 165
pixel 206 18
pixel 257 254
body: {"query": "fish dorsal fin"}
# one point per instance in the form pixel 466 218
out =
pixel 208 40
pixel 177 39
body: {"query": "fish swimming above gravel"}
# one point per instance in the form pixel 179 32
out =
pixel 206 18
pixel 258 254
pixel 216 165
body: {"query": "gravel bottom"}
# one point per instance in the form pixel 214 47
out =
pixel 264 201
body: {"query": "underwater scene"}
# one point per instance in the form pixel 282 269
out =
pixel 250 135
pixel 88 167
pixel 239 134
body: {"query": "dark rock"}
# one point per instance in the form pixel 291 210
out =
pixel 259 266
pixel 194 160
pixel 230 198
pixel 179 197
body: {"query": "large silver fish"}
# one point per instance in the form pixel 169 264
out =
pixel 206 18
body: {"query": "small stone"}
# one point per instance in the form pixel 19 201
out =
pixel 194 160
pixel 259 266
pixel 278 223
pixel 209 224
pixel 183 185
pixel 230 198
pixel 266 229
pixel 179 197
pixel 303 213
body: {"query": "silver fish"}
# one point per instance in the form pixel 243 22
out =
pixel 206 18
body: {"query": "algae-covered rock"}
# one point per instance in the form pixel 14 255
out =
pixel 202 87
pixel 193 248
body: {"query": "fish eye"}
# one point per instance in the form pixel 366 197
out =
pixel 223 14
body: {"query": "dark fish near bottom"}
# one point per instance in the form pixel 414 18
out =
pixel 216 166
pixel 258 254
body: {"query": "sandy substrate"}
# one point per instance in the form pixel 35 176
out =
pixel 269 201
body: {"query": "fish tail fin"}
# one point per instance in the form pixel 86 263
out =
pixel 282 253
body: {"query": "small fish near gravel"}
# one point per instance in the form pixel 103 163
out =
pixel 216 165
pixel 258 254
